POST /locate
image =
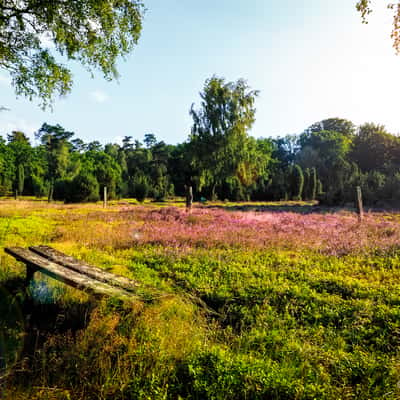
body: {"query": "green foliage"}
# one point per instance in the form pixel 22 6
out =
pixel 219 144
pixel 343 126
pixel 40 188
pixel 21 178
pixel 313 184
pixel 83 188
pixel 285 150
pixel 140 188
pixel 330 150
pixel 95 33
pixel 296 179
pixel 7 168
pixel 374 139
pixel 106 170
pixel 373 184
pixel 310 184
pixel 162 189
pixel 62 188
pixel 55 140
pixel 220 160
pixel 307 184
pixel 364 7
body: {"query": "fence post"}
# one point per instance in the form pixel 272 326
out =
pixel 360 204
pixel 105 197
pixel 189 198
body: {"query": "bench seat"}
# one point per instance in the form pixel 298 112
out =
pixel 83 277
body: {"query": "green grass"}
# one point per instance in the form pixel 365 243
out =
pixel 223 322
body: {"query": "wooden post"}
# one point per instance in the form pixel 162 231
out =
pixel 189 198
pixel 30 271
pixel 105 197
pixel 360 204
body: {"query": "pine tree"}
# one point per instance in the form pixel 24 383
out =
pixel 297 182
pixel 307 184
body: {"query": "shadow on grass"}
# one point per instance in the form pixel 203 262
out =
pixel 25 324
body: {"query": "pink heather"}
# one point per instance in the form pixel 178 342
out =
pixel 335 234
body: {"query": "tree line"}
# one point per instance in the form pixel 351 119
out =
pixel 220 160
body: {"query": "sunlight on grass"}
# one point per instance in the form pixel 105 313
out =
pixel 237 303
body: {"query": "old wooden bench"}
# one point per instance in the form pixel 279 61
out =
pixel 73 272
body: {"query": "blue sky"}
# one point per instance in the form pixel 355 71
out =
pixel 310 59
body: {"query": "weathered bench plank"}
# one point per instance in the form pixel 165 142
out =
pixel 84 268
pixel 66 275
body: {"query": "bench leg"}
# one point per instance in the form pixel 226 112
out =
pixel 30 271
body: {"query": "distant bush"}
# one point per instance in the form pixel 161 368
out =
pixel 4 190
pixel 83 188
pixel 162 189
pixel 39 186
pixel 62 187
pixel 140 188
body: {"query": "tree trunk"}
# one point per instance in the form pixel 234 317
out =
pixel 51 189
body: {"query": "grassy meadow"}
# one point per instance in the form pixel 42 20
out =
pixel 238 301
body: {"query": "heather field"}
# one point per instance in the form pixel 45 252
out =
pixel 249 301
